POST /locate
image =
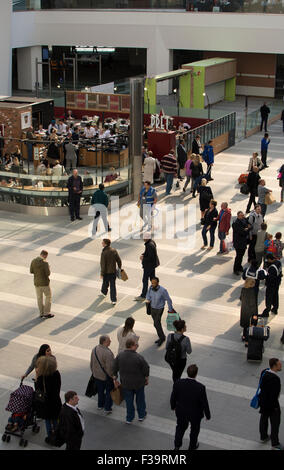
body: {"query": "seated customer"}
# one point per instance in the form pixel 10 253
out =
pixel 58 170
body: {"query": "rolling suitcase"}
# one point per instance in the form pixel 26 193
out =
pixel 256 336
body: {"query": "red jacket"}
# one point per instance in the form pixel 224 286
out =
pixel 225 222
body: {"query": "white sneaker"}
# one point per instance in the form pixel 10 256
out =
pixel 113 303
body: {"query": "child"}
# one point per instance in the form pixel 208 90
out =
pixel 16 422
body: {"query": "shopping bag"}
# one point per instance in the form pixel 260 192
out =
pixel 269 199
pixel 172 316
pixel 228 243
pixel 123 275
pixel 117 395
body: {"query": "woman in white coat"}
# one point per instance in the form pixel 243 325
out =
pixel 149 168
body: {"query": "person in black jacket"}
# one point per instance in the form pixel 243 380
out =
pixel 240 239
pixel 269 403
pixel 264 111
pixel 150 262
pixel 252 182
pixel 181 158
pixel 71 424
pixel 189 400
pixel 196 145
pixel 75 188
pixel 273 281
pixel 48 381
pixel 196 171
pixel 210 224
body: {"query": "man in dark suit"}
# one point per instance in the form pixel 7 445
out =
pixel 264 111
pixel 189 400
pixel 150 262
pixel 75 188
pixel 71 423
pixel 269 403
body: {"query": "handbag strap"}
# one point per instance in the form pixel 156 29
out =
pixel 260 380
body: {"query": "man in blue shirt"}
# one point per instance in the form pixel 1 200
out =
pixel 265 141
pixel 147 198
pixel 208 157
pixel 158 296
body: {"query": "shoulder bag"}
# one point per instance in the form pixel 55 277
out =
pixel 255 400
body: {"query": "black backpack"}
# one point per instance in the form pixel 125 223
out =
pixel 173 354
pixel 244 189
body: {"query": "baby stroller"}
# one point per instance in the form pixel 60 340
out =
pixel 23 415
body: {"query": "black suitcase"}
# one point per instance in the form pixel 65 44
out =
pixel 255 349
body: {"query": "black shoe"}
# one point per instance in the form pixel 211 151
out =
pixel 265 313
pixel 273 310
pixel 237 273
pixel 157 341
pixel 160 342
pixel 48 316
pixel 194 448
pixel 176 448
pixel 109 229
pixel 72 219
pixel 79 218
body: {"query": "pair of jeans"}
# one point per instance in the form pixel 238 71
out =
pixel 272 297
pixel 251 201
pixel 263 209
pixel 212 235
pixel 274 418
pixel 264 121
pixel 178 369
pixel 251 251
pixel 264 156
pixel 238 260
pixel 50 425
pixel 222 236
pixel 182 425
pixel 109 280
pixel 140 403
pixel 157 315
pixel 104 398
pixel 188 178
pixel 74 205
pixel 169 177
pixel 148 274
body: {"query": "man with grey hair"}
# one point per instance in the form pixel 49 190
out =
pixel 101 366
pixel 150 262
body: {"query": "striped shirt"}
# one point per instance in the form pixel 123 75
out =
pixel 169 163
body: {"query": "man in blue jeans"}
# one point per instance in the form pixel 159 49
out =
pixel 169 167
pixel 134 375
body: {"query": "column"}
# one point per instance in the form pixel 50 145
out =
pixel 6 48
pixel 27 68
pixel 136 139
pixel 160 60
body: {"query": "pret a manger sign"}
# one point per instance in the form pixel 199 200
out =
pixel 160 121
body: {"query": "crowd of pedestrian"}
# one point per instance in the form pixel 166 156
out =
pixel 127 371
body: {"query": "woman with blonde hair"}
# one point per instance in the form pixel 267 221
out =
pixel 48 382
pixel 205 196
pixel 125 333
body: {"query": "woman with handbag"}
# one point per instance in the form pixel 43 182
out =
pixel 47 394
pixel 182 346
pixel 125 333
pixel 255 161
